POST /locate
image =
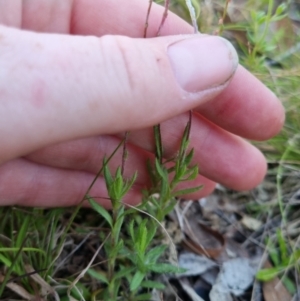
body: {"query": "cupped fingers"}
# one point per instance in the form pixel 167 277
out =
pixel 107 17
pixel 87 155
pixel 246 108
pixel 28 184
pixel 46 186
pixel 222 157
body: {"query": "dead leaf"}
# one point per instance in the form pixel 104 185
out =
pixel 199 238
pixel 235 277
pixel 19 290
pixel 274 290
pixel 251 223
pixel 216 295
pixel 203 240
pixel 194 264
pixel 46 289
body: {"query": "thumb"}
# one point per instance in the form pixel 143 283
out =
pixel 60 87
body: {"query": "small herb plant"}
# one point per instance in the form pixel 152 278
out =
pixel 131 255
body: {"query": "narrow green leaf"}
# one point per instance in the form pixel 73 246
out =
pixel 158 142
pixel 123 273
pixel 180 172
pixel 289 284
pixel 162 268
pixel 142 237
pixel 191 174
pixel 152 228
pixel 189 157
pixel 281 9
pixel 276 19
pixel 154 254
pixel 129 184
pixel 185 139
pixel 116 249
pixel 187 191
pixel 119 223
pixel 164 189
pixel 23 231
pixel 161 170
pixel 268 274
pixel 100 210
pixel 282 246
pixel 27 249
pixel 153 284
pixel 100 276
pixel 136 280
pixel 118 184
pixel 107 175
pixel 170 206
pixel 131 230
pixel 273 253
pixel 5 260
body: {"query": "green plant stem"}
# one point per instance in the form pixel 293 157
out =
pixel 265 31
pixel 10 269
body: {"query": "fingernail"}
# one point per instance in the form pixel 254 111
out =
pixel 202 62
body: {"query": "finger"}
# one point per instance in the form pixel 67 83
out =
pixel 246 108
pixel 107 85
pixel 222 157
pixel 87 155
pixel 45 186
pixel 107 17
pixel 11 13
pixel 90 17
pixel 37 15
pixel 47 15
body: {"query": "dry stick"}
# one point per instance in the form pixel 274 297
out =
pixel 83 272
pixel 147 18
pixel 26 275
pixel 192 15
pixel 164 17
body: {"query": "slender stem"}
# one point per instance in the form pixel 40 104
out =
pixel 147 18
pixel 164 17
pixel 193 16
pixel 223 18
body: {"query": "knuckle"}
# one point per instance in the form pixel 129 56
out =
pixel 123 56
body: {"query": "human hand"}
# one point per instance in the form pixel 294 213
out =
pixel 58 88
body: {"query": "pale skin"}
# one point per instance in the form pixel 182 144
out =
pixel 66 101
